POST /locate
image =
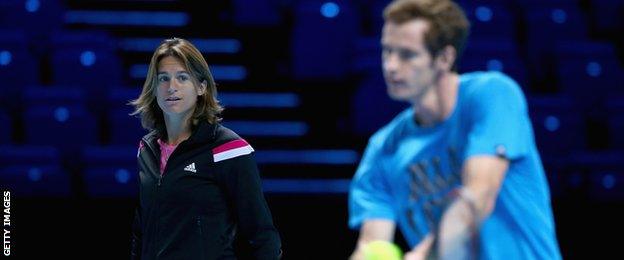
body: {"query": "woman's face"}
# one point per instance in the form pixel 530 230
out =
pixel 177 91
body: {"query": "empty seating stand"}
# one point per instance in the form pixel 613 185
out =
pixel 86 59
pixel 18 64
pixel 588 70
pixel 34 171
pixel 110 171
pixel 322 39
pixel 558 124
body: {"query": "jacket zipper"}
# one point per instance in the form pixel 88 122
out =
pixel 161 175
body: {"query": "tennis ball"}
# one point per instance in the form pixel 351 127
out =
pixel 382 250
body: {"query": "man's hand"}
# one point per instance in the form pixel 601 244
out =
pixel 421 251
pixel 372 230
pixel 482 177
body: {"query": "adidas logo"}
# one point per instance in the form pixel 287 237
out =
pixel 190 168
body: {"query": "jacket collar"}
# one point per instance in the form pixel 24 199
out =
pixel 204 132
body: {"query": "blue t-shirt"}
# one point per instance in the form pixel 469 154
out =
pixel 490 118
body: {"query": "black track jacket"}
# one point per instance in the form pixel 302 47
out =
pixel 210 191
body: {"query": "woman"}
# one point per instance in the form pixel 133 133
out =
pixel 199 184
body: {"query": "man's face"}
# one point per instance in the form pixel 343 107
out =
pixel 408 66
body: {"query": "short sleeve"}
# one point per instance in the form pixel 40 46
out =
pixel 499 124
pixel 369 195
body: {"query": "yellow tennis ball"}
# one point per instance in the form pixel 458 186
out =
pixel 382 250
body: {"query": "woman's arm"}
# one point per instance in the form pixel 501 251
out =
pixel 254 219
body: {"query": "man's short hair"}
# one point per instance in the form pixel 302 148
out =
pixel 448 24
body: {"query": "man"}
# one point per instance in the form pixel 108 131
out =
pixel 458 172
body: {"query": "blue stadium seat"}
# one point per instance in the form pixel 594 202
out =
pixel 368 118
pixel 33 171
pixel 547 23
pixel 18 66
pixel 78 38
pixel 111 182
pixel 113 155
pixel 123 128
pixel 605 173
pixel 607 184
pixel 376 14
pixel 110 171
pixel 86 59
pixel 490 20
pixel 29 155
pixel 487 17
pixel 558 125
pixel 67 127
pixel 36 180
pixel 554 19
pixel 322 39
pixel 498 54
pixel 85 66
pixel 587 69
pixel 59 96
pixel 37 17
pixel 53 96
pixel 119 97
pixel 367 55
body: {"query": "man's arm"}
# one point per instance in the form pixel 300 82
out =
pixel 482 177
pixel 372 230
